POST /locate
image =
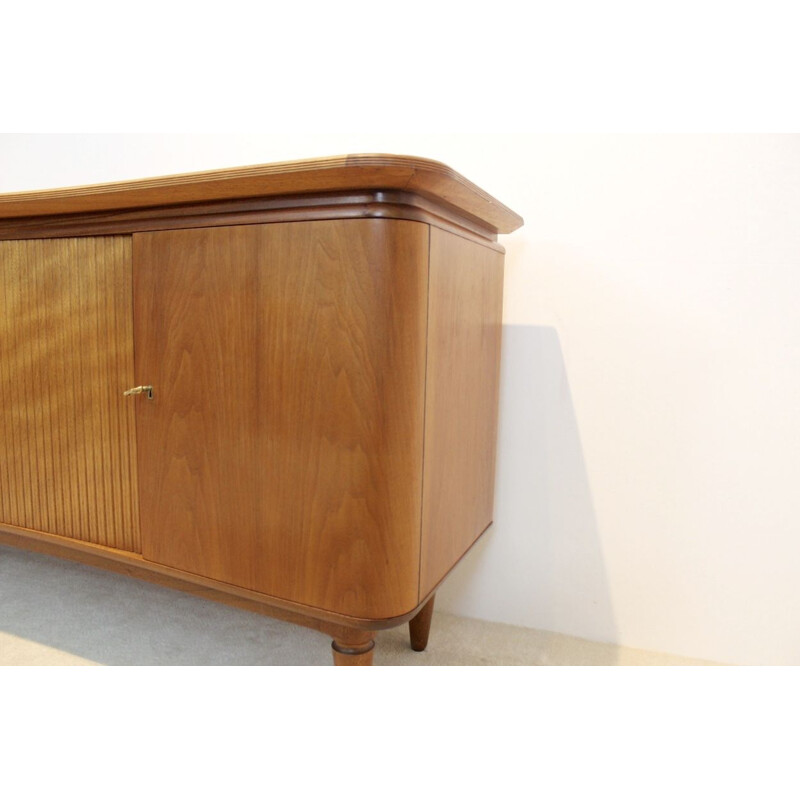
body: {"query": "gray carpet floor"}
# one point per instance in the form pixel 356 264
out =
pixel 55 612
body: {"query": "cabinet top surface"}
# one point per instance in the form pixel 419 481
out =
pixel 350 173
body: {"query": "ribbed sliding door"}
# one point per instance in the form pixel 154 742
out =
pixel 67 435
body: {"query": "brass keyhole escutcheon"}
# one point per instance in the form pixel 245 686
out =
pixel 145 390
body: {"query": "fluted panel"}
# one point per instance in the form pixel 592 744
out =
pixel 67 435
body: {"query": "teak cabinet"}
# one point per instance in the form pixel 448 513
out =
pixel 274 386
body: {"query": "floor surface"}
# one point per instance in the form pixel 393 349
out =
pixel 55 612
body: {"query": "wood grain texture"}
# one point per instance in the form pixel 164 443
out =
pixel 67 440
pixel 428 178
pixel 353 649
pixel 419 627
pixel 463 371
pixel 282 452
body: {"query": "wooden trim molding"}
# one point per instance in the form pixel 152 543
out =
pixel 351 173
pixel 135 566
pixel 337 205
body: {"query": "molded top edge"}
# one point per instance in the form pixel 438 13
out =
pixel 423 176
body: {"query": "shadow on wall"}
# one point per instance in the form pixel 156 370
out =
pixel 540 565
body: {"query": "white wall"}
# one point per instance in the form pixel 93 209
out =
pixel 649 457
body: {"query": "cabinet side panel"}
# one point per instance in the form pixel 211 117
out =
pixel 67 438
pixel 282 451
pixel 463 370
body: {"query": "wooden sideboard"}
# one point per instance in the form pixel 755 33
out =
pixel 272 386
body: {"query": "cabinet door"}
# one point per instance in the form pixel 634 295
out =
pixel 282 448
pixel 67 440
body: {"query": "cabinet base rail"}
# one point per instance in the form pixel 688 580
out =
pixel 353 640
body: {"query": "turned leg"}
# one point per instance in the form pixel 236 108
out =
pixel 420 626
pixel 353 648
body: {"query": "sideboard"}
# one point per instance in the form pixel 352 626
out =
pixel 272 386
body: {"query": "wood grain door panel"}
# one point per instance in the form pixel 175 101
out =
pixel 282 451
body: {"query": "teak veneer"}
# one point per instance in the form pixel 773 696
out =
pixel 314 352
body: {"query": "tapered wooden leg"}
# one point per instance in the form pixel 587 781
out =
pixel 353 649
pixel 420 626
